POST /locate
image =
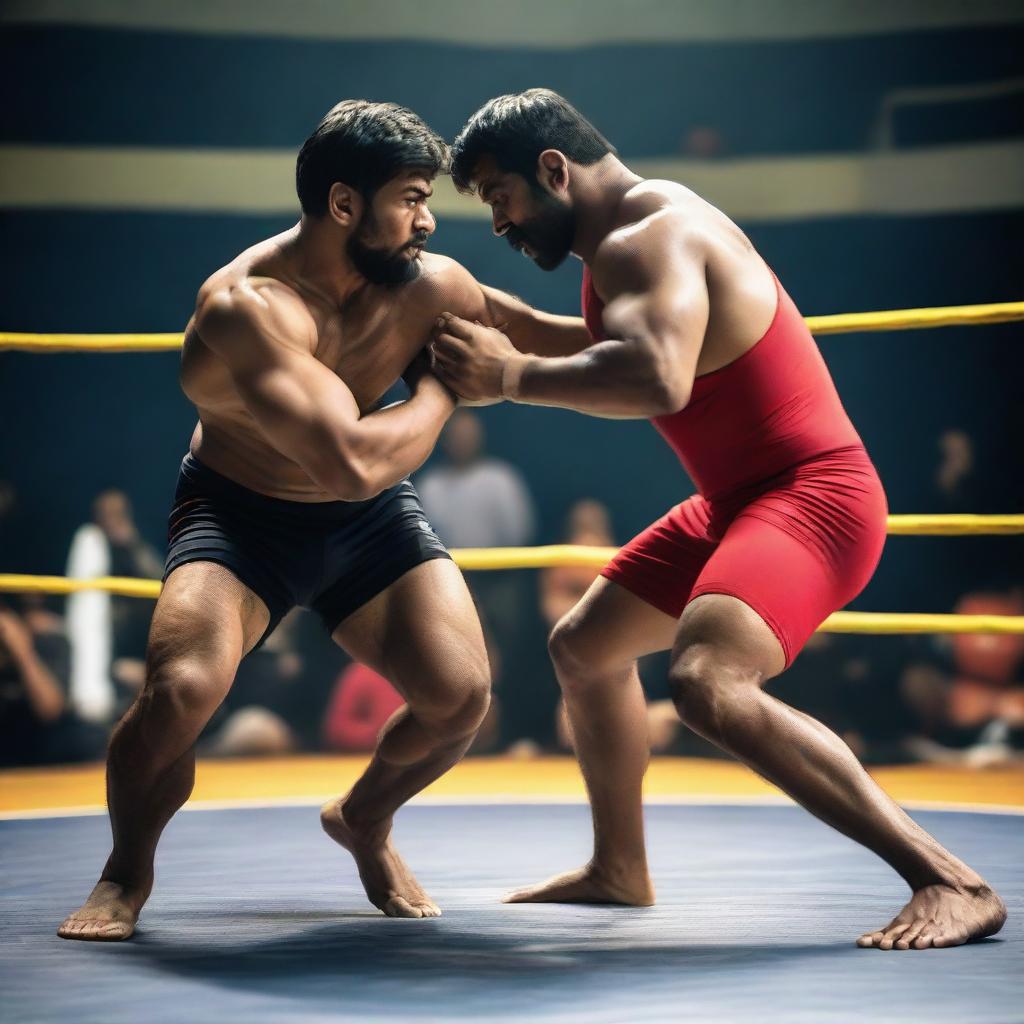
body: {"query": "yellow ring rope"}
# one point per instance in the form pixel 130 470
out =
pixel 838 323
pixel 839 622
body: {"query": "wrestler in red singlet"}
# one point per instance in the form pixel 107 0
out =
pixel 790 514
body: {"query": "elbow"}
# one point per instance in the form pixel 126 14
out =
pixel 349 479
pixel 669 395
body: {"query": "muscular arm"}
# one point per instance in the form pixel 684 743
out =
pixel 532 331
pixel 652 278
pixel 266 337
pixel 656 313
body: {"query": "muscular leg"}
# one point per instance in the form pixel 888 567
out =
pixel 205 620
pixel 594 650
pixel 723 655
pixel 423 634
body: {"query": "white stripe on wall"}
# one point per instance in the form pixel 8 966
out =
pixel 919 181
pixel 533 23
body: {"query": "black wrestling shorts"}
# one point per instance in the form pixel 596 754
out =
pixel 331 556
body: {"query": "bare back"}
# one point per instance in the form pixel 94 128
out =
pixel 368 343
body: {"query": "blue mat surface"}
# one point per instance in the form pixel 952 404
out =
pixel 258 917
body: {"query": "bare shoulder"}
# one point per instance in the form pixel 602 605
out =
pixel 234 311
pixel 445 285
pixel 662 238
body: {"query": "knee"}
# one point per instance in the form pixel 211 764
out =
pixel 704 682
pixel 575 665
pixel 457 709
pixel 183 689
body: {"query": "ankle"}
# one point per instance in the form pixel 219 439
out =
pixel 362 820
pixel 622 870
pixel 129 877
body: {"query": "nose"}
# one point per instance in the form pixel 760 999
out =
pixel 425 221
pixel 499 223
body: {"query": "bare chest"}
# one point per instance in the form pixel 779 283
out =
pixel 369 355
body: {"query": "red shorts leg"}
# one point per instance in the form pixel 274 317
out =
pixel 794 554
pixel 798 554
pixel 662 564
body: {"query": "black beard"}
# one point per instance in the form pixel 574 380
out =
pixel 385 266
pixel 549 234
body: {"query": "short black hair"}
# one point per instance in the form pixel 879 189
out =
pixel 365 145
pixel 517 128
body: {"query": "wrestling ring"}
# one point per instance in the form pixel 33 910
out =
pixel 256 916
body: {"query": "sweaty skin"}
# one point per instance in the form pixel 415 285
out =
pixel 684 294
pixel 286 357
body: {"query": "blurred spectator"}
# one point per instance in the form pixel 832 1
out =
pixel 476 501
pixel 102 628
pixel 970 705
pixel 562 586
pixel 702 142
pixel 956 466
pixel 36 725
pixel 255 718
pixel 362 702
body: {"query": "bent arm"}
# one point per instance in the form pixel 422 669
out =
pixel 656 317
pixel 304 410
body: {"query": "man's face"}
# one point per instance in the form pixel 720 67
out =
pixel 530 219
pixel 393 231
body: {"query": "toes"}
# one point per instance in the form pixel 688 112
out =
pixel 892 935
pixel 399 907
pixel 910 935
pixel 924 940
pixel 869 939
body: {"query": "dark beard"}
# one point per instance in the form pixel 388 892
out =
pixel 549 235
pixel 389 267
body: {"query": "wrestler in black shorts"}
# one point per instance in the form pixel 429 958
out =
pixel 330 556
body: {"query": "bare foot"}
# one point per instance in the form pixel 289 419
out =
pixel 108 915
pixel 390 885
pixel 590 884
pixel 939 916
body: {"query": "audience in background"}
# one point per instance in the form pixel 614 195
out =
pixel 36 724
pixel 256 715
pixel 362 701
pixel 956 698
pixel 103 628
pixel 474 500
pixel 956 467
pixel 969 702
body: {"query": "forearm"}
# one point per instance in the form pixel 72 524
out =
pixel 391 443
pixel 533 331
pixel 545 334
pixel 607 379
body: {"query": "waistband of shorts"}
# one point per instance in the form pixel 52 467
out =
pixel 196 477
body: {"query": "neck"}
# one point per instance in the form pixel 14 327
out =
pixel 321 260
pixel 597 194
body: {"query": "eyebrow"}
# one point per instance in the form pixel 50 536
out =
pixel 420 191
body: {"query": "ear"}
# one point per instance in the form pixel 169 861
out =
pixel 344 205
pixel 553 171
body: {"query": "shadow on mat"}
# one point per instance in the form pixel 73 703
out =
pixel 369 951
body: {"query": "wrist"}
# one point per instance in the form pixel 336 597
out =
pixel 512 376
pixel 436 388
